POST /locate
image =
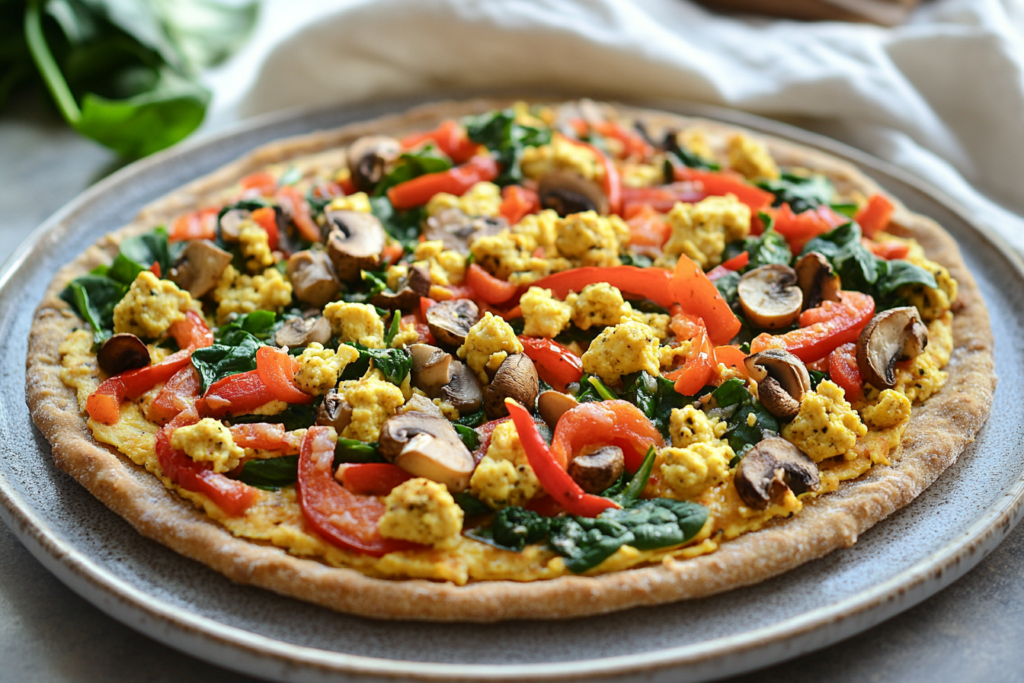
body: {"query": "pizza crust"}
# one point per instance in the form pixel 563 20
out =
pixel 938 433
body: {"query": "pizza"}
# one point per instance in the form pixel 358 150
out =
pixel 496 360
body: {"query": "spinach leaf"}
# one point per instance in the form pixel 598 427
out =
pixel 259 324
pixel 769 248
pixel 515 527
pixel 655 396
pixel 685 157
pixel 371 284
pixel 816 378
pixel 631 491
pixel 395 364
pixel 412 165
pixel 270 474
pixel 638 260
pixel 899 273
pixel 393 328
pixel 800 192
pixel 469 436
pixel 473 419
pixel 735 405
pixel 235 352
pixel 94 298
pixel 147 249
pixel 403 226
pixel 356 451
pixel 471 505
pixel 728 286
pixel 295 416
pixel 506 139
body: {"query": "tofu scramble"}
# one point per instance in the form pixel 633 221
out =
pixel 522 345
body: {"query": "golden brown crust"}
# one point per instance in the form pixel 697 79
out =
pixel 937 434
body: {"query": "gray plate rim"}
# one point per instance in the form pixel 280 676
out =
pixel 220 644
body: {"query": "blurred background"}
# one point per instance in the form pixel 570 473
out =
pixel 936 87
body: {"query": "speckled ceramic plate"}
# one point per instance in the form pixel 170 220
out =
pixel 898 563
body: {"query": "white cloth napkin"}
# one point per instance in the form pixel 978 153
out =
pixel 941 96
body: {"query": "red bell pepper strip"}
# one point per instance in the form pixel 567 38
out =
pixel 104 404
pixel 723 183
pixel 730 357
pixel 556 364
pixel 238 394
pixel 392 253
pixel 266 218
pixel 179 393
pixel 696 372
pixel 737 262
pixel 344 519
pixel 450 138
pixel 371 479
pixel 456 181
pixel 545 506
pixel 516 202
pixel 266 436
pixel 422 329
pixel 297 208
pixel 698 296
pixel 555 480
pixel 191 333
pixel 844 371
pixel 887 250
pixel 647 227
pixel 262 182
pixel 277 369
pixel 197 225
pixel 611 181
pixel 661 198
pixel 799 229
pixel 875 216
pixel 822 329
pixel 489 288
pixel 632 144
pixel 233 497
pixel 601 423
pixel 650 283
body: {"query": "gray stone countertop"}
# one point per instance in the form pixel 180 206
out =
pixel 971 631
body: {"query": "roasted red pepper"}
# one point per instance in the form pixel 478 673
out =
pixel 699 366
pixel 822 329
pixel 197 225
pixel 266 218
pixel 456 181
pixel 874 217
pixel 266 436
pixel 801 228
pixel 556 364
pixel 489 288
pixel 371 479
pixel 297 208
pixel 650 283
pixel 276 370
pixel 844 371
pixel 517 202
pixel 555 480
pixel 698 296
pixel 238 394
pixel 723 183
pixel 261 183
pixel 602 423
pixel 450 137
pixel 178 393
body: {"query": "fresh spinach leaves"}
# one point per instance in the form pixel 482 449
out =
pixel 295 416
pixel 499 132
pixel 655 396
pixel 356 451
pixel 403 226
pixel 233 353
pixel 395 364
pixel 800 192
pixel 412 165
pixel 469 436
pixel 272 473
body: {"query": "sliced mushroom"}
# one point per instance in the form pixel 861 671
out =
pixel 891 336
pixel 463 392
pixel 411 288
pixel 354 243
pixel 567 193
pixel 449 321
pixel 770 468
pixel 782 381
pixel 303 332
pixel 817 280
pixel 231 223
pixel 553 404
pixel 334 412
pixel 312 277
pixel 769 296
pixel 199 267
pixel 122 352
pixel 431 368
pixel 427 446
pixel 420 404
pixel 458 231
pixel 597 471
pixel 368 159
pixel 516 378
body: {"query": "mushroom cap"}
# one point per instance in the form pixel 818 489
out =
pixel 199 267
pixel 516 378
pixel 458 230
pixel 368 159
pixel 597 471
pixel 312 277
pixel 463 391
pixel 817 280
pixel 553 404
pixel 427 446
pixel 769 296
pixel 892 335
pixel 334 412
pixel 567 192
pixel 411 289
pixel 303 332
pixel 230 224
pixel 431 368
pixel 354 243
pixel 449 321
pixel 782 381
pixel 770 468
pixel 122 352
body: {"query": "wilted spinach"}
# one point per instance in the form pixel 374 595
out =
pixel 403 226
pixel 655 396
pixel 295 416
pixel 735 405
pixel 800 192
pixel 233 353
pixel 506 139
pixel 395 364
pixel 272 473
pixel 356 451
pixel 412 165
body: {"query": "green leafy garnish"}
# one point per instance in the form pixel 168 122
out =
pixel 728 286
pixel 800 192
pixel 686 158
pixel 655 396
pixel 259 324
pixel 395 364
pixel 270 474
pixel 413 165
pixel 601 388
pixel 295 416
pixel 234 353
pixel 506 139
pixel 735 406
pixel 393 328
pixel 473 419
pixel 514 528
pixel 631 491
pixel 356 451
pixel 470 505
pixel 469 436
pixel 816 378
pixel 403 226
pixel 769 248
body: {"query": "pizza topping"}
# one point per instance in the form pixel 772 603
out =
pixel 199 267
pixel 891 336
pixel 208 441
pixel 622 349
pixel 421 511
pixel 356 323
pixel 693 469
pixel 450 321
pixel 551 405
pixel 598 470
pixel 297 332
pixel 556 364
pixel 770 469
pixel 702 230
pixel 355 242
pixel 770 296
pixel 816 280
pixel 566 192
pixel 408 290
pixel 543 314
pixel 368 159
pixel 427 446
pixel 516 378
pixel 150 307
pixel 312 277
pixel 463 391
pixel 457 230
pixel 122 352
pixel 320 368
pixel 826 425
pixel 432 368
pixel 334 412
pixel 782 381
